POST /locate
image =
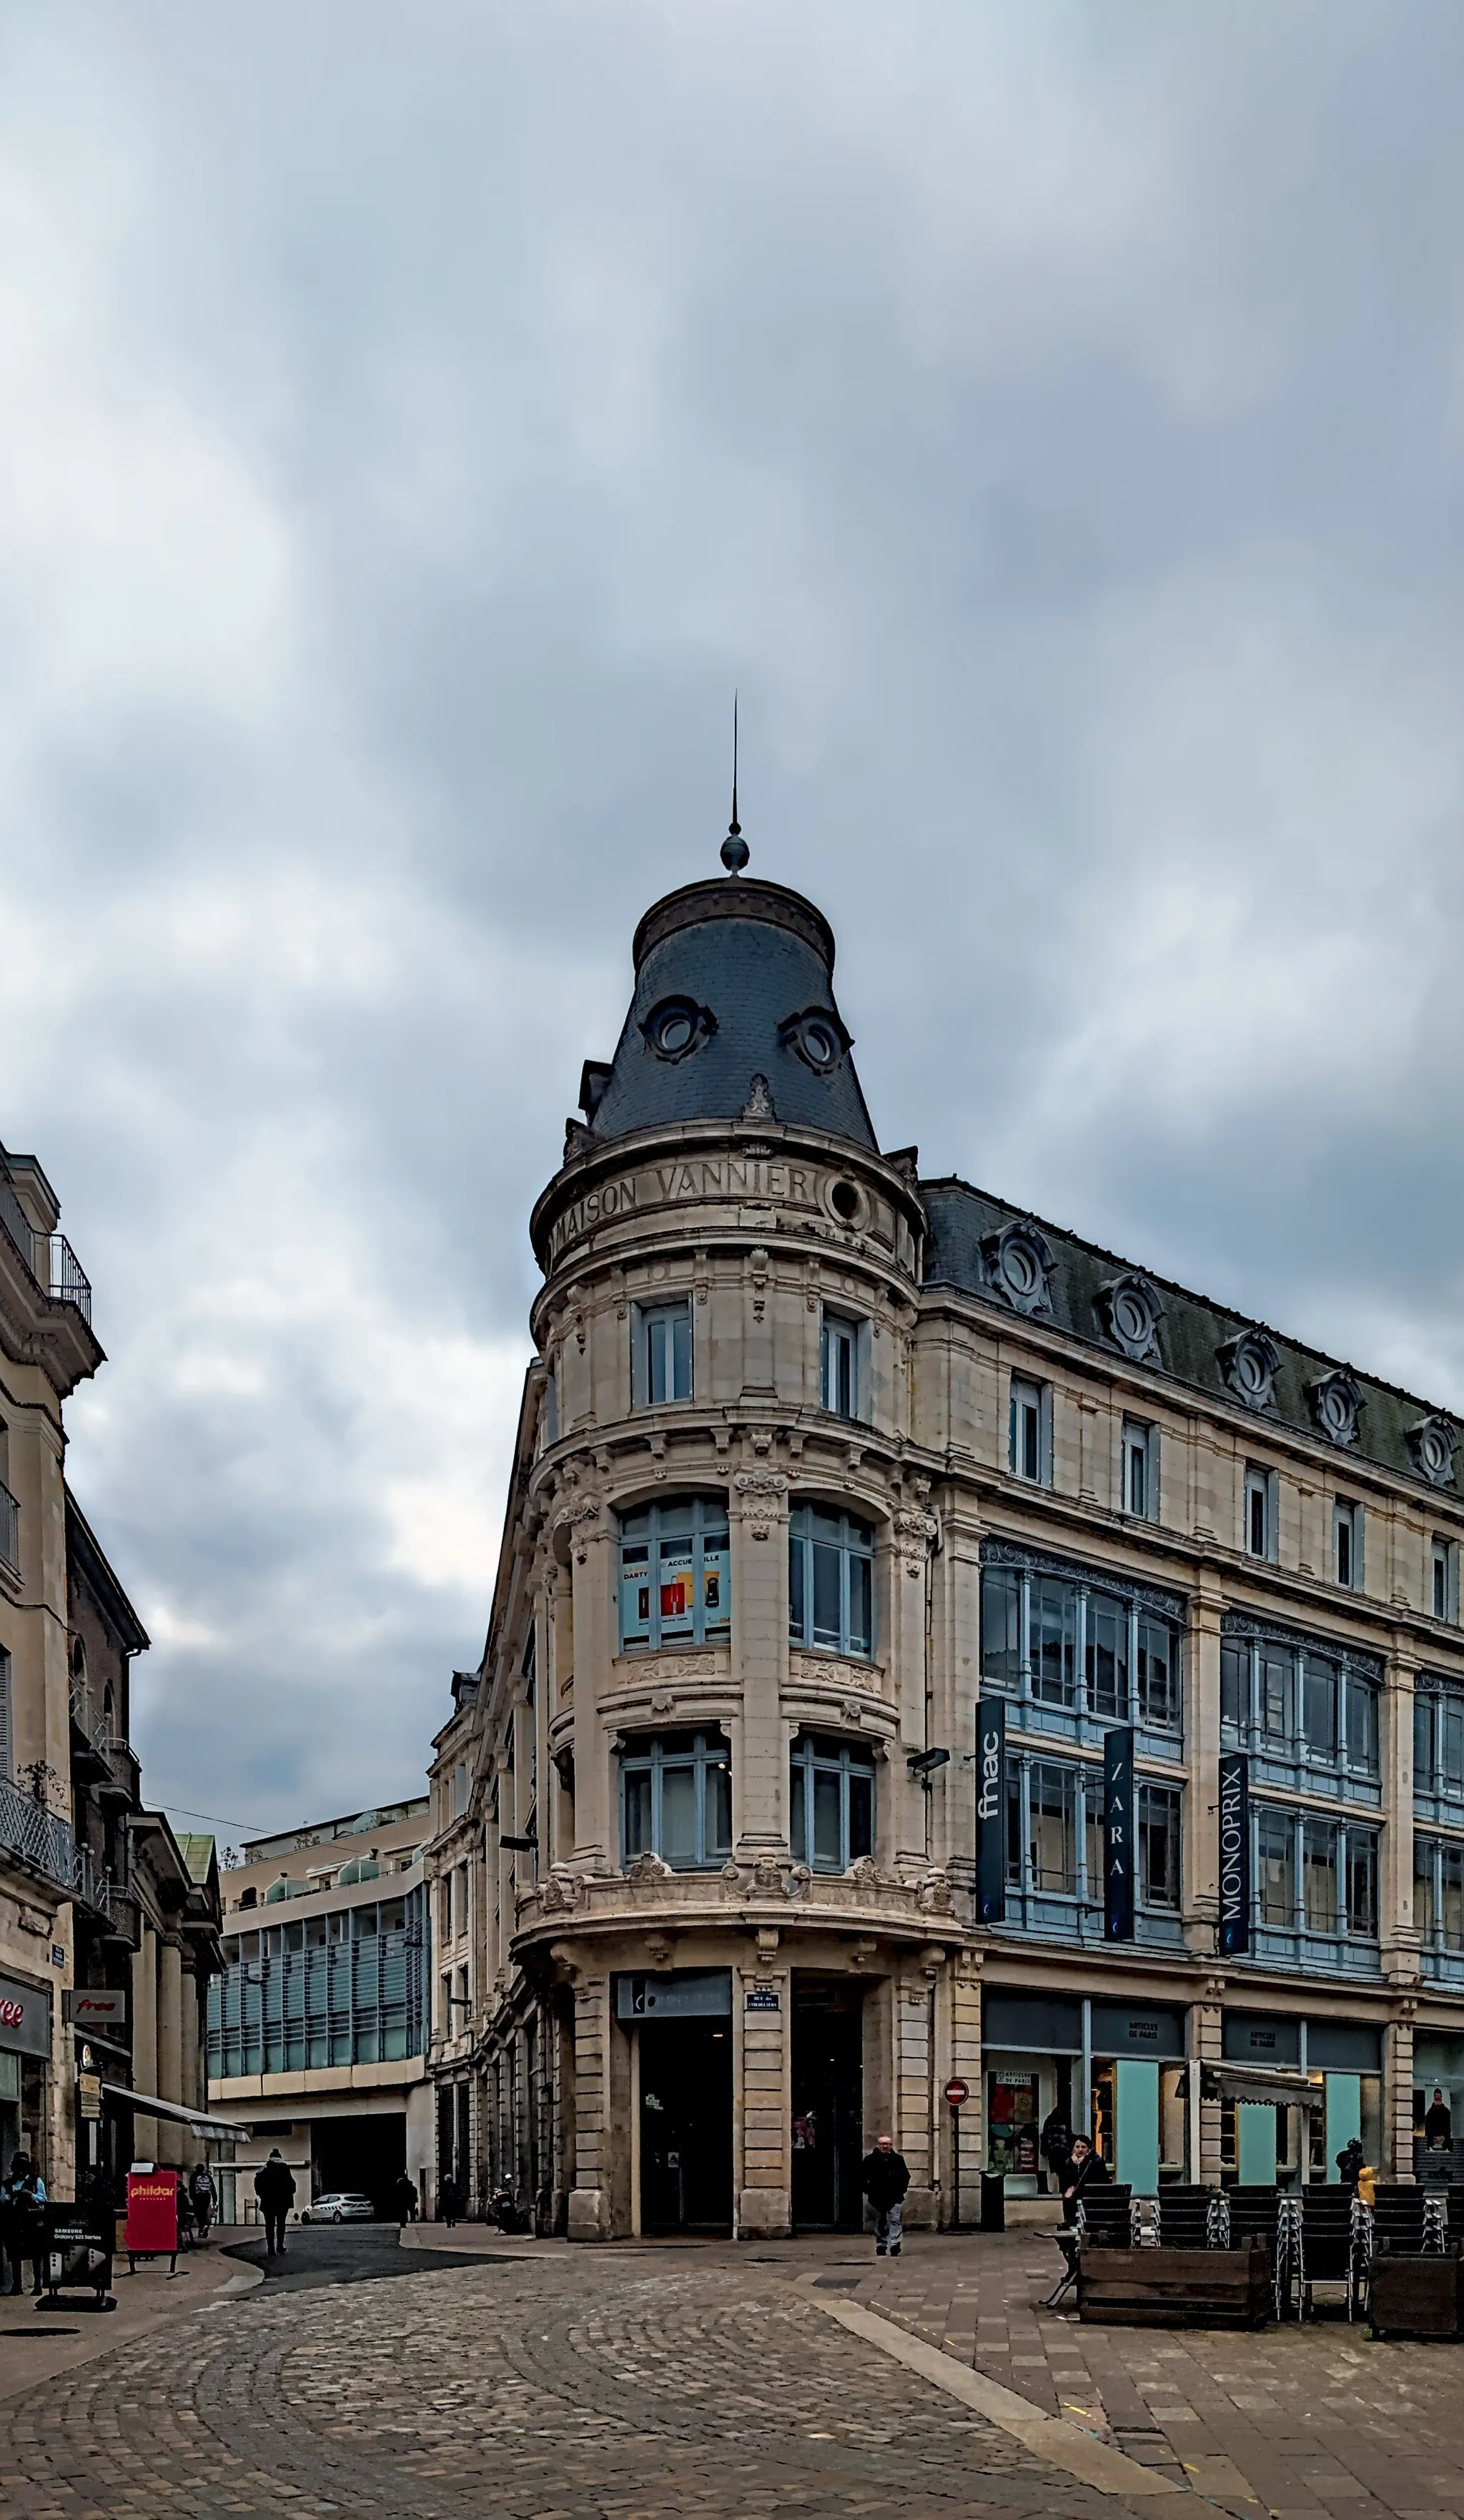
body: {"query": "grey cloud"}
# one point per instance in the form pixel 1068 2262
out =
pixel 417 423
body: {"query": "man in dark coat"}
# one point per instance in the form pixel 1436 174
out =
pixel 1086 2169
pixel 274 2186
pixel 884 2179
pixel 1055 2143
pixel 1439 2125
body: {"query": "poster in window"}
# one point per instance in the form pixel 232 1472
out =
pixel 678 1587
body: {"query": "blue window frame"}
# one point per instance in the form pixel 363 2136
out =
pixel 674 1573
pixel 1294 1702
pixel 833 1803
pixel 839 1374
pixel 676 1800
pixel 1081 1643
pixel 831 1581
pixel 661 1354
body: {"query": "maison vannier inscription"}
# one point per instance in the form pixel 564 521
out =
pixel 698 1177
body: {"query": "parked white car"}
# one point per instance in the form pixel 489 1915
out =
pixel 341 2205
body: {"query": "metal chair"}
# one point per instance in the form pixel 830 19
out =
pixel 1261 2213
pixel 1192 2218
pixel 1334 2241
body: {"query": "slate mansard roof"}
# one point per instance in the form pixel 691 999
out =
pixel 749 967
pixel 980 1247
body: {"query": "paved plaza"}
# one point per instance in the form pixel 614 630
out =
pixel 640 2383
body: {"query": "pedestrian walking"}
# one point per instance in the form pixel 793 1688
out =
pixel 1084 2169
pixel 274 2186
pixel 448 2206
pixel 1054 2143
pixel 1439 2125
pixel 203 2196
pixel 1350 2162
pixel 884 2179
pixel 406 2200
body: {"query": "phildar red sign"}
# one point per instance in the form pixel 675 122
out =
pixel 153 2212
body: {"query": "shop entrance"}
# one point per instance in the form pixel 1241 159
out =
pixel 686 2126
pixel 828 2077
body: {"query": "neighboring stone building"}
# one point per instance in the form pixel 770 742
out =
pixel 106 1925
pixel 842 1501
pixel 318 2028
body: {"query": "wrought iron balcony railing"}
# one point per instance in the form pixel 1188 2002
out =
pixel 41 1838
pixel 10 1531
pixel 60 1273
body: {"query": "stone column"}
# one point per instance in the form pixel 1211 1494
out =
pixel 759 1656
pixel 170 2085
pixel 1204 2046
pixel 145 2039
pixel 763 2091
pixel 965 2061
pixel 1202 1719
pixel 194 2085
pixel 593 1575
pixel 1398 1926
pixel 913 2062
pixel 1398 2094
pixel 590 2196
pixel 913 1530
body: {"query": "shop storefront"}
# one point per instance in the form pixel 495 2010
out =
pixel 24 2051
pixel 1114 2071
pixel 680 2025
pixel 1266 2143
pixel 1438 2066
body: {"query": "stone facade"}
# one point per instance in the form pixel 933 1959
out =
pixel 816 1459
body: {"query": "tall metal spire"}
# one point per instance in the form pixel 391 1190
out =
pixel 734 849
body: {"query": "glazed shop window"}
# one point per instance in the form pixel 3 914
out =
pixel 1085 1645
pixel 1159 1846
pixel 831 1581
pixel 674 1573
pixel 1439 1893
pixel 833 1803
pixel 1320 1876
pixel 676 1800
pixel 1290 1700
pixel 1438 1739
pixel 661 1352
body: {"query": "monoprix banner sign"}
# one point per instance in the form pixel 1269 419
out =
pixel 990 1809
pixel 1117 1836
pixel 1234 1853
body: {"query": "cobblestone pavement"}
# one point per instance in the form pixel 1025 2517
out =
pixel 629 2386
pixel 1298 2421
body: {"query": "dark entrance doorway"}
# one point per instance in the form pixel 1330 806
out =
pixel 368 2152
pixel 686 2126
pixel 828 2076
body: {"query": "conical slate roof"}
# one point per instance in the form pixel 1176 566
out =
pixel 733 1015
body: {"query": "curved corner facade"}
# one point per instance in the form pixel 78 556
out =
pixel 898 1599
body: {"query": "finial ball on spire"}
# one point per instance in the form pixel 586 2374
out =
pixel 734 852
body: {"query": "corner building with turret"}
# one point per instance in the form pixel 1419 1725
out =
pixel 846 1503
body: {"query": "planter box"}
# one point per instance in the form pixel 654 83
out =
pixel 1174 2288
pixel 1416 2297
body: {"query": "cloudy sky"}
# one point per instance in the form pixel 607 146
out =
pixel 414 420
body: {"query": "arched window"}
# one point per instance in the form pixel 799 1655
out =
pixel 832 1815
pixel 676 1800
pixel 674 1573
pixel 831 1581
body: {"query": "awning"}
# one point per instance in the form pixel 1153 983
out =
pixel 147 2105
pixel 1265 2085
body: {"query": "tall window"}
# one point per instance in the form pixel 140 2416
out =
pixel 831 1581
pixel 1438 1739
pixel 1259 1511
pixel 1347 1543
pixel 1332 1864
pixel 1140 1470
pixel 1439 1893
pixel 1275 1868
pixel 661 1356
pixel 1081 1643
pixel 1159 1845
pixel 676 1800
pixel 1028 1446
pixel 840 1365
pixel 674 1573
pixel 833 1815
pixel 1445 1600
pixel 1291 1701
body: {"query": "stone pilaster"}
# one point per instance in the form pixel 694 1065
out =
pixel 590 2215
pixel 145 2039
pixel 1398 1926
pixel 965 1996
pixel 764 2085
pixel 759 1653
pixel 1205 2048
pixel 913 1532
pixel 1398 2094
pixel 913 2067
pixel 592 1577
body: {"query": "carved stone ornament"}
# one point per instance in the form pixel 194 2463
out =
pixel 1337 1405
pixel 1018 1265
pixel 562 1891
pixel 760 1495
pixel 759 1103
pixel 852 1711
pixel 1249 1365
pixel 1433 1445
pixel 915 1535
pixel 1132 1313
pixel 933 1893
pixel 649 1867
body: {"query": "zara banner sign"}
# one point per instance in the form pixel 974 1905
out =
pixel 990 1812
pixel 1117 1836
pixel 1234 1853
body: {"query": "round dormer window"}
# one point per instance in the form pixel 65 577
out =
pixel 1021 1270
pixel 1134 1313
pixel 818 1037
pixel 1433 1444
pixel 1337 1404
pixel 1132 1321
pixel 1249 1373
pixel 1019 1267
pixel 676 1027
